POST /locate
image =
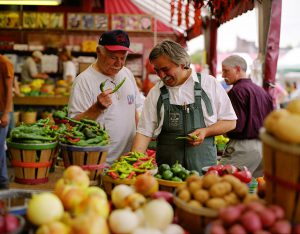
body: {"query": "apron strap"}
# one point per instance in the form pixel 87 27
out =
pixel 163 99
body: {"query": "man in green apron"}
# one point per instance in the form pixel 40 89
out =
pixel 183 103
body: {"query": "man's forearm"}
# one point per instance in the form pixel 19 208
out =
pixel 221 127
pixel 140 143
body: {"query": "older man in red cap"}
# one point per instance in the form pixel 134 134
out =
pixel 115 110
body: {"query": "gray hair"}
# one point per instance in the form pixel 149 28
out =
pixel 173 50
pixel 235 60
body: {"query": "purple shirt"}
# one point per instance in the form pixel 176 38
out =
pixel 251 104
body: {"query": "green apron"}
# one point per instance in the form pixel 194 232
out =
pixel 179 121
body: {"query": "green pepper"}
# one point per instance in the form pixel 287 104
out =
pixel 167 174
pixel 102 86
pixel 176 179
pixel 183 174
pixel 124 175
pixel 119 86
pixel 158 176
pixel 88 133
pixel 176 168
pixel 163 167
pixel 59 114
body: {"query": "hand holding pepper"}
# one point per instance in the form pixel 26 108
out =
pixel 104 99
pixel 197 136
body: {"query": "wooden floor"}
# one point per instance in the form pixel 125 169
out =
pixel 53 177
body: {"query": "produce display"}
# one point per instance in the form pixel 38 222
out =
pixel 243 174
pixel 39 132
pixel 213 191
pixel 254 217
pixel 130 165
pixel 175 173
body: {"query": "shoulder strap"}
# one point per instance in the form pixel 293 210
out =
pixel 164 94
pixel 200 93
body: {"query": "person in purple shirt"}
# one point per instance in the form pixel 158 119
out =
pixel 251 104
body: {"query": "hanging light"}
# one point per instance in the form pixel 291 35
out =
pixel 31 2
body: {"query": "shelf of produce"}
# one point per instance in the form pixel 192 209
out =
pixel 42 101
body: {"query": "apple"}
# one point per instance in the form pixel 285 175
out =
pixel 72 196
pixel 95 204
pixel 89 224
pixel 146 184
pixel 55 227
pixel 44 208
pixel 75 175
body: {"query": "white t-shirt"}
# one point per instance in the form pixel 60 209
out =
pixel 119 118
pixel 69 70
pixel 184 94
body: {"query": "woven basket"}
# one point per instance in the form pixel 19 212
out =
pixel 168 186
pixel 282 174
pixel 31 162
pixel 108 183
pixel 193 219
pixel 28 117
pixel 90 158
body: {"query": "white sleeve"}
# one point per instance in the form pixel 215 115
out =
pixel 148 123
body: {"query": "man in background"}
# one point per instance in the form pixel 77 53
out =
pixel 6 107
pixel 30 69
pixel 251 104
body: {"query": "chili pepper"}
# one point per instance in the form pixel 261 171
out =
pixel 73 120
pixel 136 164
pixel 119 86
pixel 88 133
pixel 54 127
pixel 145 158
pixel 32 136
pixel 102 86
pixel 73 140
pixel 131 175
pixel 113 174
pixel 89 121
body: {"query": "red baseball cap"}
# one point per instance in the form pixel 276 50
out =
pixel 115 40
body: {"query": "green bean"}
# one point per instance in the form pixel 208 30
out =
pixel 119 86
pixel 102 86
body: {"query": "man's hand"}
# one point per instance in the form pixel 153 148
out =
pixel 200 134
pixel 4 121
pixel 104 99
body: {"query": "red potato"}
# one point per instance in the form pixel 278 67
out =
pixel 230 214
pixel 237 229
pixel 279 212
pixel 267 217
pixel 262 232
pixel 251 221
pixel 281 227
pixel 164 195
pixel 255 206
pixel 296 229
pixel 217 229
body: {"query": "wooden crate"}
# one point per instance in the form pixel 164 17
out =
pixel 90 158
pixel 282 175
pixel 31 162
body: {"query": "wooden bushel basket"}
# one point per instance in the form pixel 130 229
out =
pixel 31 162
pixel 282 174
pixel 193 219
pixel 168 186
pixel 90 158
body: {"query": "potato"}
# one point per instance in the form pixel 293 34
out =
pixel 230 214
pixel 270 121
pixel 281 226
pixel 220 189
pixel 231 179
pixel 194 186
pixel 241 190
pixel 251 221
pixel 201 195
pixel 195 204
pixel 267 217
pixel 216 203
pixel 294 106
pixel 231 199
pixel 250 198
pixel 288 129
pixel 237 229
pixel 209 180
pixel 192 178
pixel 184 195
pixel 278 211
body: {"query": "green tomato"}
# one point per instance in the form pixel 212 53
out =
pixel 167 175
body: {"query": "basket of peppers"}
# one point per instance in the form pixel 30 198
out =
pixel 84 143
pixel 31 148
pixel 126 168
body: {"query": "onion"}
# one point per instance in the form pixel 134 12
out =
pixel 158 214
pixel 145 230
pixel 119 193
pixel 174 229
pixel 123 221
